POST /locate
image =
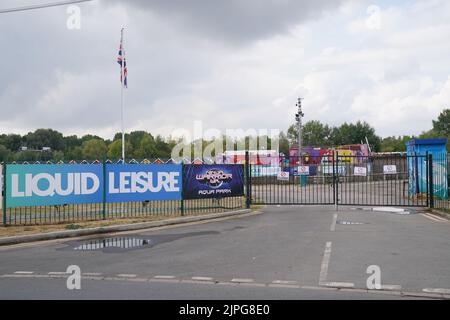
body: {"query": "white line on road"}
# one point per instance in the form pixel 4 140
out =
pixel 434 218
pixel 202 279
pixel 243 280
pixel 325 263
pixel 285 282
pixel 57 273
pixel 338 284
pixel 391 287
pixel 23 272
pixel 333 224
pixel 127 275
pixel 437 290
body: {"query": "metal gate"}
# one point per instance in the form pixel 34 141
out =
pixel 344 180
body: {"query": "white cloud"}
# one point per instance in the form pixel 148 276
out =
pixel 395 77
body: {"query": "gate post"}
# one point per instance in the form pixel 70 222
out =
pixel 248 181
pixel 430 181
pixel 182 190
pixel 4 194
pixel 104 189
pixel 336 179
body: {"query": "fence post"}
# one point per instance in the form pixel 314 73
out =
pixel 182 189
pixel 336 178
pixel 430 180
pixel 4 194
pixel 248 180
pixel 104 189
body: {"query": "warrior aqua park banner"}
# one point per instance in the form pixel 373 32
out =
pixel 140 182
pixel 213 181
pixel 44 185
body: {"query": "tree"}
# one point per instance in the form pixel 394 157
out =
pixel 72 142
pixel 146 147
pixel 355 134
pixel 74 154
pixel 284 144
pixel 94 149
pixel 13 142
pixel 394 144
pixel 115 150
pixel 5 154
pixel 442 124
pixel 45 138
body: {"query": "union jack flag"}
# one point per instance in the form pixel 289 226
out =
pixel 122 61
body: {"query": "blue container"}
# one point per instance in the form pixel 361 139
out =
pixel 417 166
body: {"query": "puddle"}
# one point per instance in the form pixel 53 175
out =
pixel 121 244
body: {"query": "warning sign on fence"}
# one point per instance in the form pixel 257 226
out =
pixel 283 176
pixel 303 171
pixel 390 169
pixel 360 172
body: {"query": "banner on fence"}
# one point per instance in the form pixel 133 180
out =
pixel 44 185
pixel 330 169
pixel 138 182
pixel 1 187
pixel 264 171
pixel 213 181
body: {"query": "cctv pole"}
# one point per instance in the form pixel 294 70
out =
pixel 300 116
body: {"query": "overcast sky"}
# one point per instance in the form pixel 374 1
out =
pixel 229 63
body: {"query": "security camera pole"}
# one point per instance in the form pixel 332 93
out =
pixel 298 117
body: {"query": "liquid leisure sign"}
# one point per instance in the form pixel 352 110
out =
pixel 133 182
pixel 43 185
pixel 213 181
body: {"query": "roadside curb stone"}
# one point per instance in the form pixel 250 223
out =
pixel 113 229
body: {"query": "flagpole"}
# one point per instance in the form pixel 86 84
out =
pixel 122 84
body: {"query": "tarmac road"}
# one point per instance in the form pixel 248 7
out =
pixel 283 253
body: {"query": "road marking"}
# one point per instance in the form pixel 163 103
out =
pixel 164 277
pixel 438 293
pixel 285 282
pixel 127 275
pixel 325 263
pixel 338 284
pixel 202 279
pixel 333 224
pixel 243 280
pixel 437 290
pixel 24 272
pixel 57 273
pixel 391 287
pixel 434 218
